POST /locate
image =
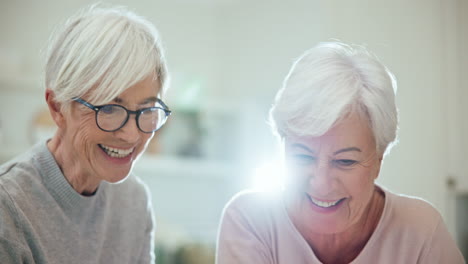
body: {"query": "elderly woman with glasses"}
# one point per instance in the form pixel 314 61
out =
pixel 336 117
pixel 72 199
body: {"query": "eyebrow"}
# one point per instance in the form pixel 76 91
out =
pixel 152 99
pixel 347 149
pixel 297 145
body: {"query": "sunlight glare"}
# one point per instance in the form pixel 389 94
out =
pixel 268 177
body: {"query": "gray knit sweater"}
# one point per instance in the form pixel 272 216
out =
pixel 44 220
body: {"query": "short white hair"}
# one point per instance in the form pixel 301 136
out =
pixel 328 82
pixel 102 51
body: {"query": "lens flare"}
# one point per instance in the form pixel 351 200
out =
pixel 268 177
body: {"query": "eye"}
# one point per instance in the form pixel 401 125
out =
pixel 302 159
pixel 344 162
pixel 108 109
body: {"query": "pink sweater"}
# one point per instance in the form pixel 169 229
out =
pixel 256 229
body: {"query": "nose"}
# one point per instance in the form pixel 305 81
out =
pixel 321 180
pixel 129 132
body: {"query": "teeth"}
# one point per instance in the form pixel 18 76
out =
pixel 324 204
pixel 116 153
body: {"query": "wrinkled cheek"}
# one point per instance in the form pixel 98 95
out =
pixel 362 199
pixel 140 149
pixel 83 143
pixel 146 143
pixel 150 137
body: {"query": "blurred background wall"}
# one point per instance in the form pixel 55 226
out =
pixel 227 59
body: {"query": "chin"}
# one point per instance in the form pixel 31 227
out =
pixel 320 224
pixel 328 230
pixel 118 180
pixel 117 177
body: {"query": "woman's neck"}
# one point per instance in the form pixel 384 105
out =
pixel 71 169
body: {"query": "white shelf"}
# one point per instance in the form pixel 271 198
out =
pixel 183 167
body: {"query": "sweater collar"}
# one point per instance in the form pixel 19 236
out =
pixel 57 184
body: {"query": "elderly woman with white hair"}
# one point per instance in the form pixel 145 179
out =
pixel 336 118
pixel 72 198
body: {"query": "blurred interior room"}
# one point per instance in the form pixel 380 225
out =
pixel 227 59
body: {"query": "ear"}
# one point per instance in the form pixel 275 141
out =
pixel 55 108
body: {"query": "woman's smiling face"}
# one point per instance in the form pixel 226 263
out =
pixel 331 177
pixel 104 155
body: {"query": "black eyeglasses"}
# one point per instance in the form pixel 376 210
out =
pixel 112 117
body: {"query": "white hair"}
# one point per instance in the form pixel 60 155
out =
pixel 101 52
pixel 328 82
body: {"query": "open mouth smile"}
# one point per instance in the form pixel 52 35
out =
pixel 115 152
pixel 325 204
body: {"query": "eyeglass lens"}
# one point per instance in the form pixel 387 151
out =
pixel 113 117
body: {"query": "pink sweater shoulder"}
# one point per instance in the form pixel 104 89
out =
pixel 255 228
